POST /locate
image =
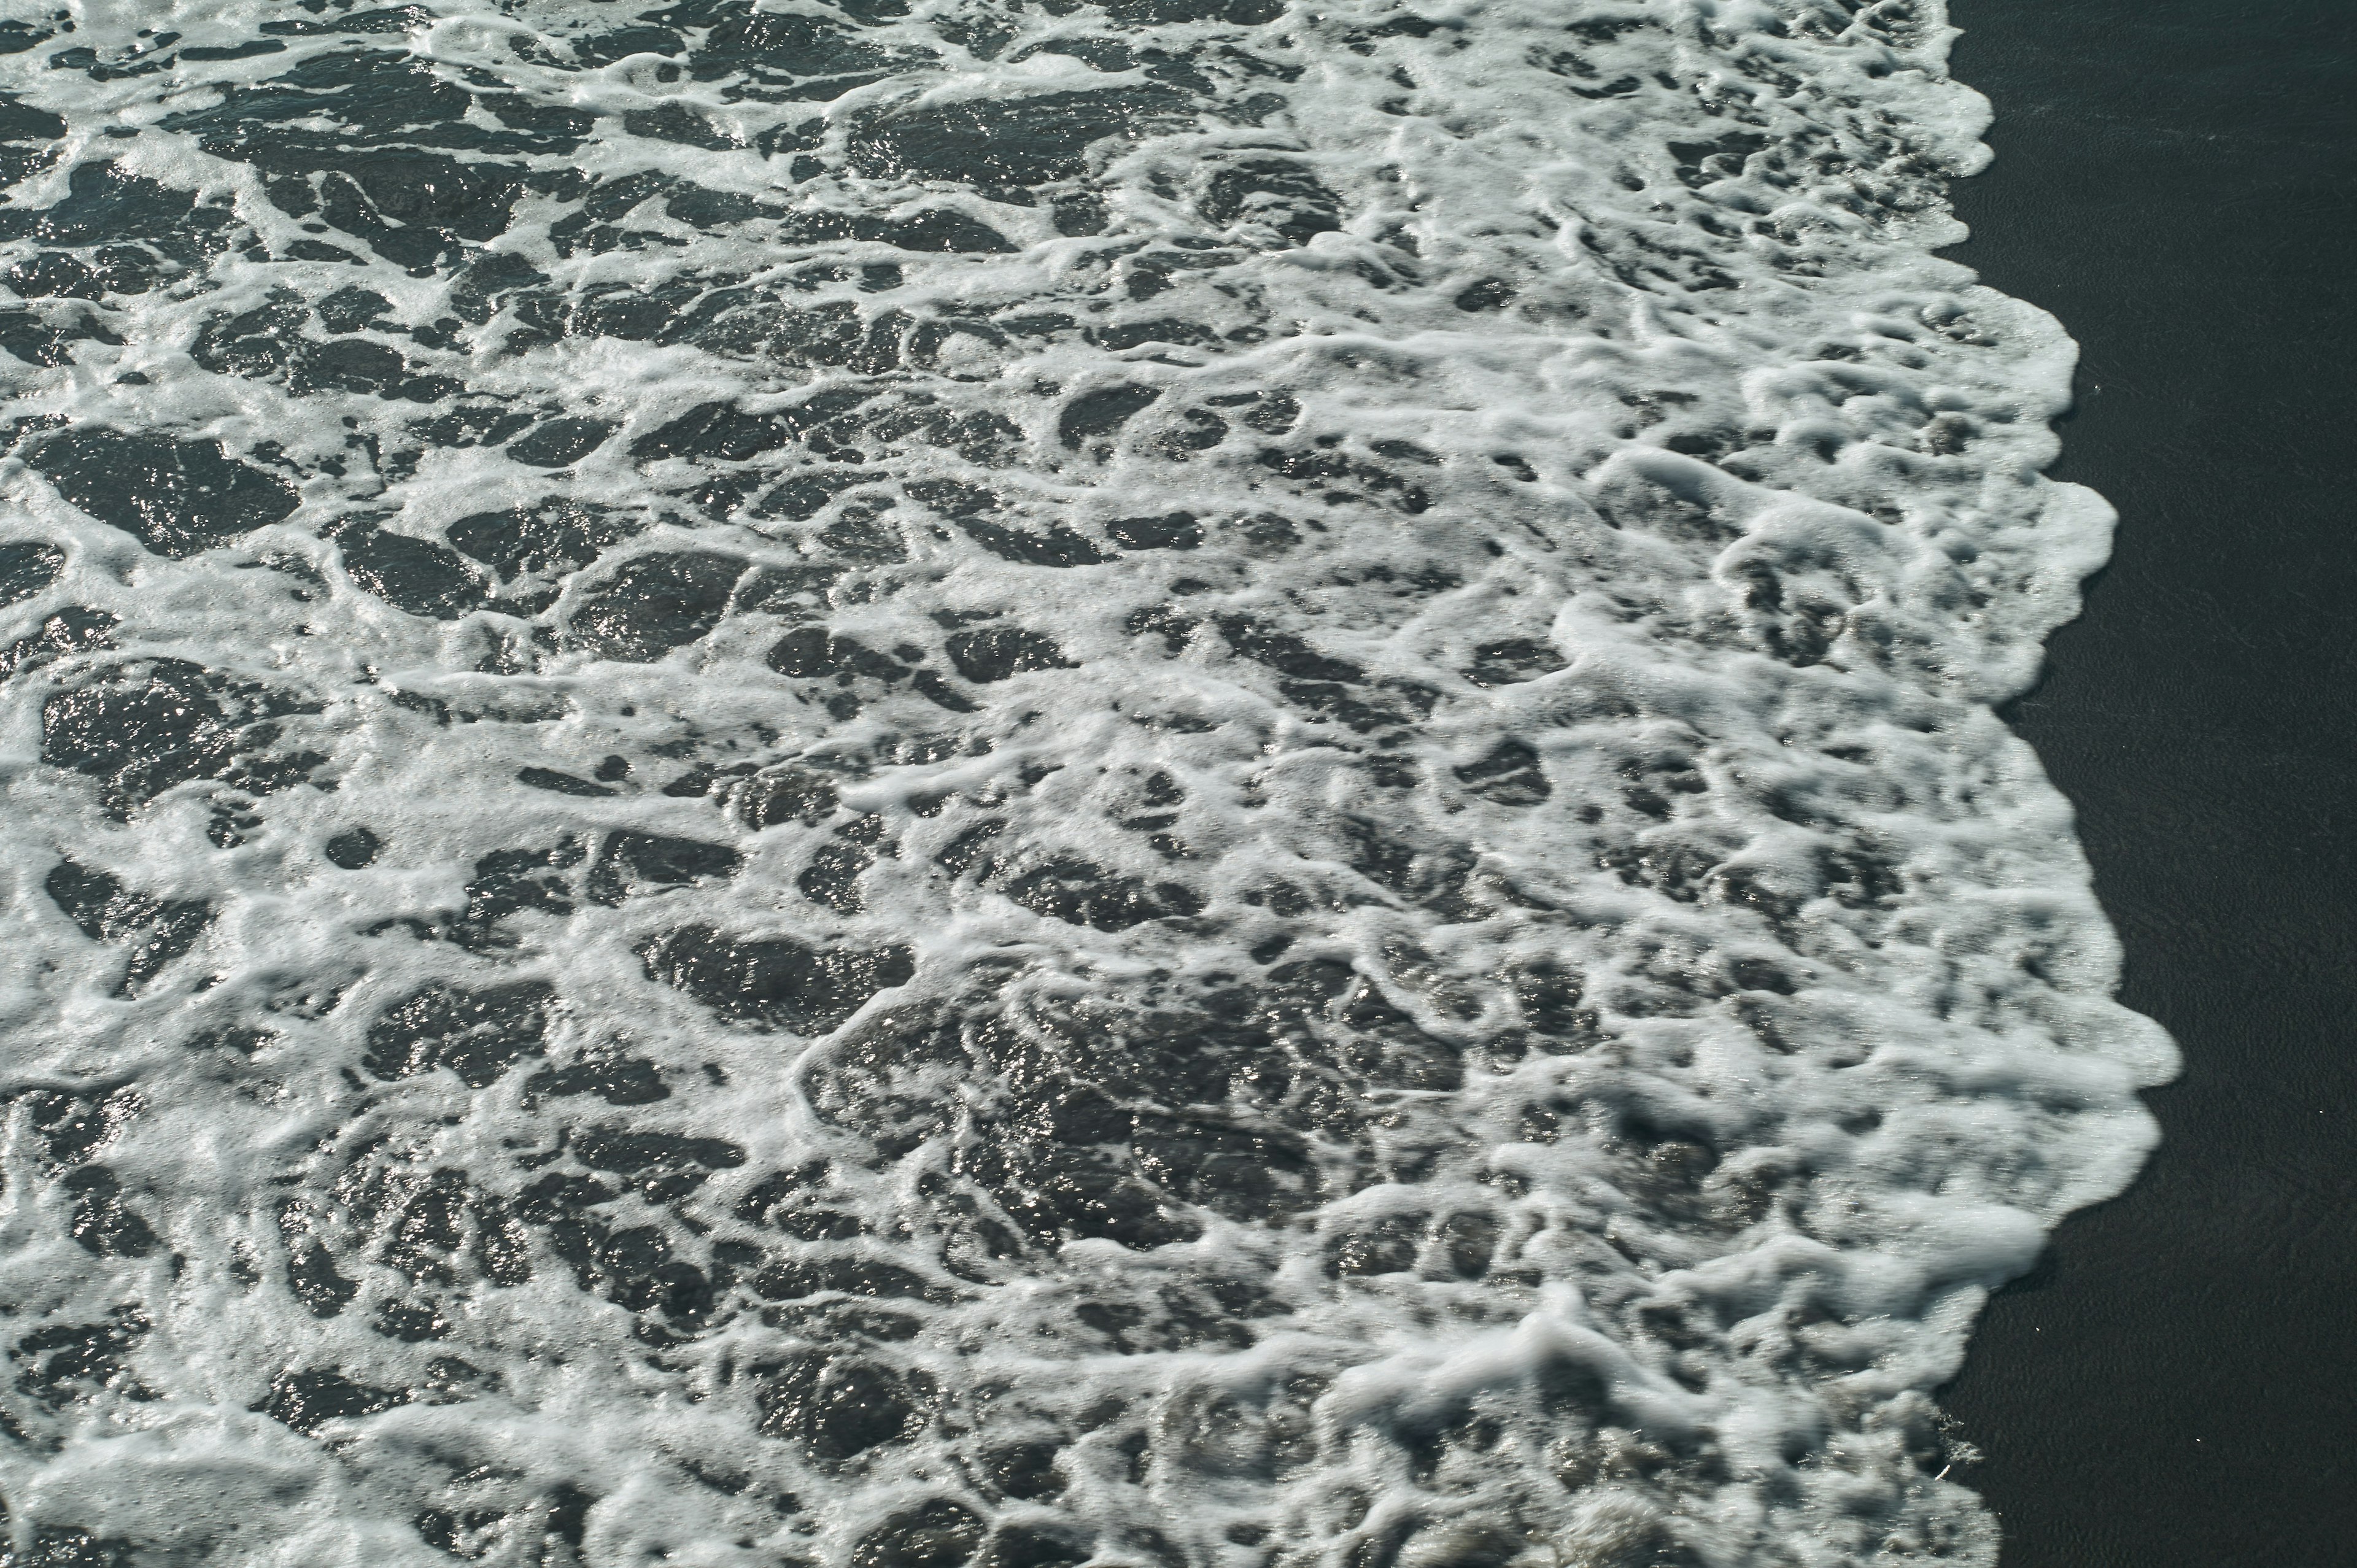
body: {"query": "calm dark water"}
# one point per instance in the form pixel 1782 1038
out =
pixel 2178 182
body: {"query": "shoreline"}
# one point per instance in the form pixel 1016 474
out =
pixel 2179 186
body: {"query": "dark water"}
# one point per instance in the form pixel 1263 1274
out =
pixel 906 784
pixel 2178 183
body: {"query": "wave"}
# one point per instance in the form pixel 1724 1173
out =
pixel 912 782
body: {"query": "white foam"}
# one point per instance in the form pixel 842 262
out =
pixel 1759 1006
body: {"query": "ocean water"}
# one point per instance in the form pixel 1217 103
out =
pixel 896 784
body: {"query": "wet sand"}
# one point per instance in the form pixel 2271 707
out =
pixel 2178 182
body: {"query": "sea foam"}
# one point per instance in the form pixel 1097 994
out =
pixel 908 783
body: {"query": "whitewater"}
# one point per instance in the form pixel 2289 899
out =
pixel 917 782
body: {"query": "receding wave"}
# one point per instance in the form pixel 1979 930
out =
pixel 919 782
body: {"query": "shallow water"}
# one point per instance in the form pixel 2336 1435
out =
pixel 1165 784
